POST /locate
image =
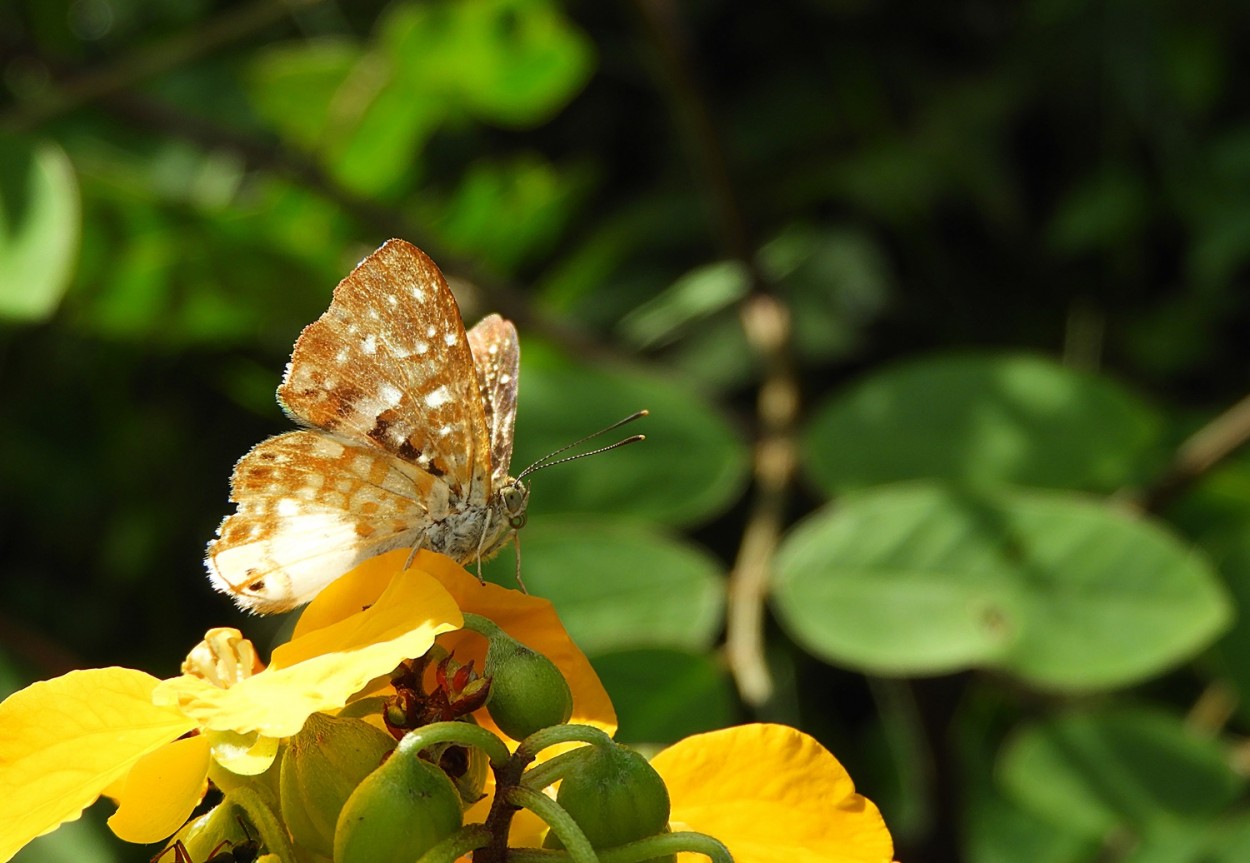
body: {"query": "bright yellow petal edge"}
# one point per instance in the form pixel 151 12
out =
pixel 772 794
pixel 66 740
pixel 322 667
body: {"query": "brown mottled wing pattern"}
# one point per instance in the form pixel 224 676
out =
pixel 497 355
pixel 389 365
pixel 312 505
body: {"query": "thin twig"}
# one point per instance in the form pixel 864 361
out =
pixel 1201 452
pixel 766 321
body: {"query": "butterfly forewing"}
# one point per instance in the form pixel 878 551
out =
pixel 497 356
pixel 389 365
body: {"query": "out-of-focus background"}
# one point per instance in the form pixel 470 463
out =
pixel 940 312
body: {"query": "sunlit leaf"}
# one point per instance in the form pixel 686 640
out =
pixel 512 62
pixel 1007 419
pixel 1054 588
pixel 39 227
pixel 618 586
pixel 691 465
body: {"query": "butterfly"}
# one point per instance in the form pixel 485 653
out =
pixel 408 426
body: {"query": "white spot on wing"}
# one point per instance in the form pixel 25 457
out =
pixel 437 398
pixel 389 394
pixel 370 344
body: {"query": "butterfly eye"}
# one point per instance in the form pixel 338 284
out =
pixel 514 498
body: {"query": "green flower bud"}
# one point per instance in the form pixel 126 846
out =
pixel 323 764
pixel 527 691
pixel 614 795
pixel 400 811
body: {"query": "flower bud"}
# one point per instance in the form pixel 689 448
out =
pixel 397 813
pixel 323 764
pixel 527 691
pixel 615 797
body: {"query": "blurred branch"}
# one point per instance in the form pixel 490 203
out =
pixel 766 321
pixel 1201 452
pixel 137 66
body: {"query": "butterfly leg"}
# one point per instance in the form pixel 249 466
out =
pixel 481 541
pixel 412 554
pixel 516 540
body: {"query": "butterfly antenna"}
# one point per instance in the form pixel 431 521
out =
pixel 547 460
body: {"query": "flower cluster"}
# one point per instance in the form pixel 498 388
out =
pixel 414 714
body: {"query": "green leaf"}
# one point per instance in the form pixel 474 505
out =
pixel 1128 767
pixel 691 466
pixel 511 62
pixel 662 696
pixel 835 280
pixel 39 227
pixel 307 74
pixel 618 586
pixel 1052 587
pixel 985 419
pixel 999 831
pixel 505 212
pixel 698 294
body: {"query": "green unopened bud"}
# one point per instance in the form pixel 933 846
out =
pixel 323 764
pixel 527 691
pixel 400 811
pixel 615 797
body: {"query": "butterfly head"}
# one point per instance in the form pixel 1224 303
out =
pixel 513 498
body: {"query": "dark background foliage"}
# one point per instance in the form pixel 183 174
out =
pixel 939 310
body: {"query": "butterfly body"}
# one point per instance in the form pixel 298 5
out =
pixel 408 435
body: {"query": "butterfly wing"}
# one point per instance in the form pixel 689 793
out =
pixel 310 507
pixel 389 365
pixel 497 356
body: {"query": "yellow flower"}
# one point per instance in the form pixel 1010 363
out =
pixel 117 731
pixel 772 795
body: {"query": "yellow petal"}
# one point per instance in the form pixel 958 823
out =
pixel 349 594
pixel 321 669
pixel 532 621
pixel 243 754
pixel 66 740
pixel 161 791
pixel 772 795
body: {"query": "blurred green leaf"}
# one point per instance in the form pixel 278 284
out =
pixel 662 696
pixel 505 212
pixel 1126 767
pixel 511 62
pixel 619 586
pixel 983 419
pixel 1054 588
pixel 39 227
pixel 1101 212
pixel 836 281
pixel 83 841
pixel 698 294
pixel 1000 831
pixel 691 466
pixel 310 74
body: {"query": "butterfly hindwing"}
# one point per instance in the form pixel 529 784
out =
pixel 497 356
pixel 310 506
